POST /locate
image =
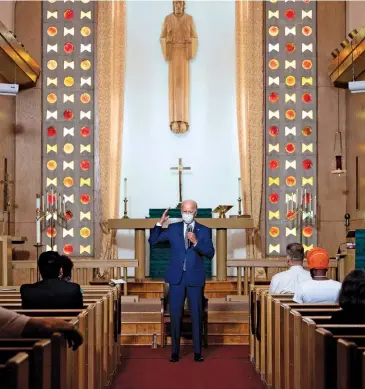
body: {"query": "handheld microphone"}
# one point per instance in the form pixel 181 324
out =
pixel 189 229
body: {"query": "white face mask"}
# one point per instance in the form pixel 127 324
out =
pixel 187 217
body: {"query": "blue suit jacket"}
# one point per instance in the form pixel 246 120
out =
pixel 195 274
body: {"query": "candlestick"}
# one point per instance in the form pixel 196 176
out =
pixel 125 187
pixel 125 209
pixel 239 207
pixel 239 187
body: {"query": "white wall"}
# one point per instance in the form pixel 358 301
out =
pixel 7 13
pixel 210 146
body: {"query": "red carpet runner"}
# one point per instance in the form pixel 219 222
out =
pixel 225 367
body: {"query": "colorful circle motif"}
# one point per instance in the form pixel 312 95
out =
pixel 290 148
pixel 51 165
pixel 68 249
pixel 307 97
pixel 273 164
pixel 68 47
pixel 273 97
pixel 274 198
pixel 68 81
pixel 84 131
pixel 290 14
pixel 290 180
pixel 307 164
pixel 85 232
pixel 274 232
pixel 290 47
pixel 52 31
pixel 68 182
pixel 52 64
pixel 307 64
pixel 273 64
pixel 290 114
pixel 51 131
pixel 308 231
pixel 68 148
pixel 307 31
pixel 52 98
pixel 85 198
pixel 307 130
pixel 290 80
pixel 273 131
pixel 85 64
pixel 273 30
pixel 85 31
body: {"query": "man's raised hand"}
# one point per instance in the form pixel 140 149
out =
pixel 164 217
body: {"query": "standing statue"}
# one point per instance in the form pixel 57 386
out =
pixel 179 43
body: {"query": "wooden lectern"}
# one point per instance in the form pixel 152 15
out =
pixel 221 225
pixel 6 270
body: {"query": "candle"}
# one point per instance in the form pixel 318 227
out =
pixel 239 187
pixel 38 229
pixel 38 201
pixel 125 188
pixel 43 203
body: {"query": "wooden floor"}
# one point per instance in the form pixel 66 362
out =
pixel 228 322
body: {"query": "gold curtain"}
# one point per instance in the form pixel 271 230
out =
pixel 250 108
pixel 111 48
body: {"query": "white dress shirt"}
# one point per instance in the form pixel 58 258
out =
pixel 314 291
pixel 288 281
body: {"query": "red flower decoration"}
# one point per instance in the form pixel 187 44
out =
pixel 290 47
pixel 273 164
pixel 307 131
pixel 68 14
pixel 290 215
pixel 274 198
pixel 290 14
pixel 85 165
pixel 290 148
pixel 68 114
pixel 308 231
pixel 51 198
pixel 307 198
pixel 68 47
pixel 68 249
pixel 273 97
pixel 85 131
pixel 274 131
pixel 85 198
pixel 51 131
pixel 68 215
pixel 307 164
pixel 307 97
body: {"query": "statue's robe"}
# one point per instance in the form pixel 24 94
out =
pixel 179 43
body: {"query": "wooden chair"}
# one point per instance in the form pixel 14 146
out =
pixel 14 371
pixel 165 318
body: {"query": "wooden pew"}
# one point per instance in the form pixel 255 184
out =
pixel 94 364
pixel 300 354
pixel 14 372
pixel 349 358
pixel 327 351
pixel 108 351
pixel 39 353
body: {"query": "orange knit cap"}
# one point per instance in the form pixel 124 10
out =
pixel 318 259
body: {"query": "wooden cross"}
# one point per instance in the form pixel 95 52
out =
pixel 180 168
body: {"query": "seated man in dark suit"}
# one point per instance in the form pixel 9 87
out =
pixel 51 292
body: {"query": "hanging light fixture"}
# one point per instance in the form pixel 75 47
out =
pixel 337 163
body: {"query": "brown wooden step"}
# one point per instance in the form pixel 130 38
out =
pixel 146 340
pixel 213 328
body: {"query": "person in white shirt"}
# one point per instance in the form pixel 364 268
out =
pixel 319 289
pixel 288 281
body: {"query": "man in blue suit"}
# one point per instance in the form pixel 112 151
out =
pixel 190 242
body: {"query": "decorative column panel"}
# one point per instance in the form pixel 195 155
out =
pixel 68 121
pixel 291 124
